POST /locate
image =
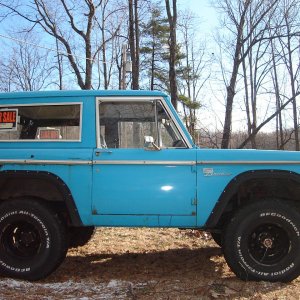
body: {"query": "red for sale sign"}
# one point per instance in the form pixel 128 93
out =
pixel 8 119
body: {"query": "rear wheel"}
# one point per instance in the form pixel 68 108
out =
pixel 262 242
pixel 33 240
pixel 79 236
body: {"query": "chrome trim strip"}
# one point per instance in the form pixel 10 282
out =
pixel 247 162
pixel 144 162
pixel 40 141
pixel 97 124
pixel 40 103
pixel 121 98
pixel 45 162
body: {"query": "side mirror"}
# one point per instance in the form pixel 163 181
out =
pixel 149 143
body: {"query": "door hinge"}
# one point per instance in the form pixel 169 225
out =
pixel 194 201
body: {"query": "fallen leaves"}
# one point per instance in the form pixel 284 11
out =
pixel 143 263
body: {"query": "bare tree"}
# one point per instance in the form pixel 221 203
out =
pixel 193 71
pixel 274 73
pixel 289 51
pixel 26 68
pixel 267 120
pixel 108 19
pixel 256 67
pixel 73 25
pixel 235 21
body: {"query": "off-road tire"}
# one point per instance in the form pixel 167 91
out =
pixel 262 242
pixel 33 240
pixel 217 237
pixel 80 236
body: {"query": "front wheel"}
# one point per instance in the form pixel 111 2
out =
pixel 33 240
pixel 262 242
pixel 217 237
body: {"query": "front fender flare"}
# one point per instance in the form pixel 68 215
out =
pixel 232 188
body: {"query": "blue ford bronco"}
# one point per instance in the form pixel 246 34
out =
pixel 74 160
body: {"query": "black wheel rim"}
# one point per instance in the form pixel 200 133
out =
pixel 268 244
pixel 21 240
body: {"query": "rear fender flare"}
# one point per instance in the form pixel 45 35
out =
pixel 54 180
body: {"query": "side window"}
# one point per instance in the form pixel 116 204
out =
pixel 40 122
pixel 169 136
pixel 126 124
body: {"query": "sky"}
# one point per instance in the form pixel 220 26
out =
pixel 213 98
pixel 208 21
pixel 204 10
pixel 213 113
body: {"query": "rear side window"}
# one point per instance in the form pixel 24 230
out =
pixel 40 122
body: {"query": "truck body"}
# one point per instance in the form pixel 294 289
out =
pixel 124 158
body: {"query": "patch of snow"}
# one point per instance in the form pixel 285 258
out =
pixel 114 283
pixel 82 290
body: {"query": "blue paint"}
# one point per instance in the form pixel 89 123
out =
pixel 169 194
pixel 145 189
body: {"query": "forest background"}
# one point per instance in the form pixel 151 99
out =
pixel 235 82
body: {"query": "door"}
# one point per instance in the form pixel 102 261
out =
pixel 142 165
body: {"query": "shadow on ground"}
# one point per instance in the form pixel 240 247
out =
pixel 182 273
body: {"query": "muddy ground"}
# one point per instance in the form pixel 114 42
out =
pixel 120 263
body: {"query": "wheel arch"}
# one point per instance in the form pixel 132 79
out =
pixel 283 184
pixel 40 185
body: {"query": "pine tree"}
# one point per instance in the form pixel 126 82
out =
pixel 155 49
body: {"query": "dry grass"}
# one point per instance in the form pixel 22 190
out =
pixel 122 263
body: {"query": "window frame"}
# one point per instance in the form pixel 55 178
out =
pixel 138 99
pixel 3 106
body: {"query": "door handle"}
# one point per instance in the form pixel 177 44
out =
pixel 98 152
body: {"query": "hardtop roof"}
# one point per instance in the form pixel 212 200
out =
pixel 78 93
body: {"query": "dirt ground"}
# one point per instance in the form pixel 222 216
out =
pixel 122 263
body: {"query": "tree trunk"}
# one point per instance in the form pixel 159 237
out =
pixel 247 98
pixel 152 67
pixel 172 51
pixel 229 101
pixel 134 42
pixel 279 129
pixel 104 64
pixel 291 73
pixel 59 65
pixel 231 88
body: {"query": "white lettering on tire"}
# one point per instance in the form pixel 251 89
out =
pixel 262 215
pixel 251 269
pixel 37 219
